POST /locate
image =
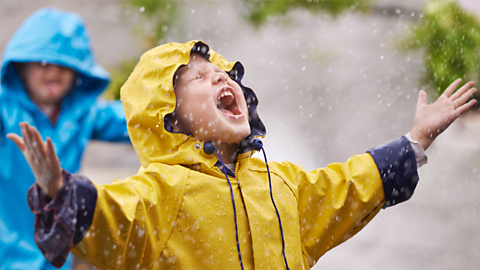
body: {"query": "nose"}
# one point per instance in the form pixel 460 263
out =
pixel 54 69
pixel 219 77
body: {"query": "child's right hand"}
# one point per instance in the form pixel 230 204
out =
pixel 41 157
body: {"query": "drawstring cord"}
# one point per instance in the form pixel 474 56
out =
pixel 257 145
pixel 208 150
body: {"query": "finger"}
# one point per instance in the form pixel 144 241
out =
pixel 17 140
pixel 38 141
pixel 25 136
pixel 33 144
pixel 51 153
pixel 465 97
pixel 462 90
pixel 449 91
pixel 422 98
pixel 465 107
pixel 29 151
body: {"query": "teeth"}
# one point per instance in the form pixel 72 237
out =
pixel 225 94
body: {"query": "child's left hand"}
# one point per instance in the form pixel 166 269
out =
pixel 432 119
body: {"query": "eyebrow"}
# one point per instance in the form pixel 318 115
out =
pixel 177 74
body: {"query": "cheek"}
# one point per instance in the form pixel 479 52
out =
pixel 33 79
pixel 67 79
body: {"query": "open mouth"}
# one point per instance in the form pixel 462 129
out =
pixel 227 103
pixel 53 87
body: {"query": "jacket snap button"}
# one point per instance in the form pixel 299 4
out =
pixel 198 146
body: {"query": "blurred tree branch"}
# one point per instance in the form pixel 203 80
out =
pixel 260 10
pixel 155 19
pixel 450 37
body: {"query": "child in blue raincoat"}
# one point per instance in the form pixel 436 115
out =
pixel 49 78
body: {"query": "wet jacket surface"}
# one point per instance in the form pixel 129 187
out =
pixel 177 213
pixel 53 37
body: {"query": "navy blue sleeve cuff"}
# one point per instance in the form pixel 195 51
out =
pixel 63 221
pixel 398 168
pixel 85 199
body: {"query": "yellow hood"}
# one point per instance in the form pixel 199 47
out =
pixel 148 96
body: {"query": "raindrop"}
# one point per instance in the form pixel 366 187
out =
pixel 142 9
pixel 193 10
pixel 398 11
pixel 381 57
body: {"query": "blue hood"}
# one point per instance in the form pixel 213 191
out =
pixel 54 36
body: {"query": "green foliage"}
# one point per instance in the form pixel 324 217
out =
pixel 156 18
pixel 451 38
pixel 159 15
pixel 119 77
pixel 260 10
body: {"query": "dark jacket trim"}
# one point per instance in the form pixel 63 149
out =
pixel 398 168
pixel 62 222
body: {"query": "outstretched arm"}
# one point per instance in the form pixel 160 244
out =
pixel 41 157
pixel 432 119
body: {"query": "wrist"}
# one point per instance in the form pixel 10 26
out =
pixel 425 141
pixel 54 187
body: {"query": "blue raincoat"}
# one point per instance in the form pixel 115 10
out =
pixel 54 37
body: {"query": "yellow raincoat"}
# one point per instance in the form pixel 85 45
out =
pixel 176 213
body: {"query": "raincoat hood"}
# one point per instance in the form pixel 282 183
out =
pixel 52 36
pixel 148 97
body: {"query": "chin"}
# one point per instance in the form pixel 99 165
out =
pixel 234 136
pixel 239 136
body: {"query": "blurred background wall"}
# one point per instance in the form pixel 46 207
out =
pixel 330 86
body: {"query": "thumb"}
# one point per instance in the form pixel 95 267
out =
pixel 422 98
pixel 17 140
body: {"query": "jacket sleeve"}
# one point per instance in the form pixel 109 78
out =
pixel 61 222
pixel 132 220
pixel 123 225
pixel 336 202
pixel 110 124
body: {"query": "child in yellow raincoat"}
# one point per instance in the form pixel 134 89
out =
pixel 200 200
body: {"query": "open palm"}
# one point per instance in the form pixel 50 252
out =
pixel 41 157
pixel 432 119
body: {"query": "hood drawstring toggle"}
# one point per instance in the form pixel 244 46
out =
pixel 257 145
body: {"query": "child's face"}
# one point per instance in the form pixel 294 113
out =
pixel 47 84
pixel 210 105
